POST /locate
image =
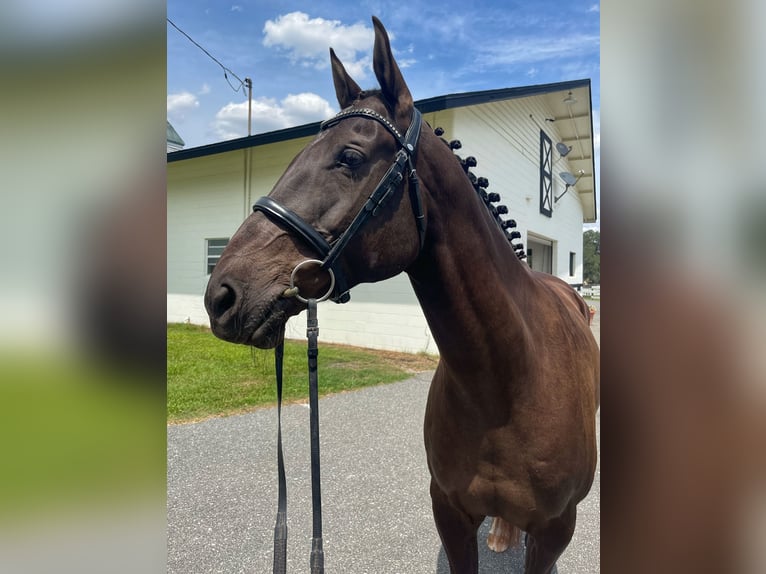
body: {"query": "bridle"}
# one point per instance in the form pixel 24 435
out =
pixel 404 158
pixel 338 292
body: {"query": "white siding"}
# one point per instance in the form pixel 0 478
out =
pixel 183 308
pixel 204 200
pixel 506 142
pixel 383 315
pixel 209 197
pixel 266 166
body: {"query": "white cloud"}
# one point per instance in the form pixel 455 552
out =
pixel 204 90
pixel 236 8
pixel 306 107
pixel 307 41
pixel 538 49
pixel 595 8
pixel 179 104
pixel 402 57
pixel 268 115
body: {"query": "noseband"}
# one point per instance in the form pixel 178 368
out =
pixel 388 184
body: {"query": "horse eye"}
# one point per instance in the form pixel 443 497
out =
pixel 350 158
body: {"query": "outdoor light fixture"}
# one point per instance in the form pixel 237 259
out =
pixel 569 100
pixel 570 180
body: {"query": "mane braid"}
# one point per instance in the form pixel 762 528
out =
pixel 480 184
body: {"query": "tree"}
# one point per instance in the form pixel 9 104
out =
pixel 591 258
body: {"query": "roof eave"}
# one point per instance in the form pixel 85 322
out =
pixel 427 105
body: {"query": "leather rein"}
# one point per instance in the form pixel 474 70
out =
pixel 338 292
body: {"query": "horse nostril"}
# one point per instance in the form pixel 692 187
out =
pixel 223 299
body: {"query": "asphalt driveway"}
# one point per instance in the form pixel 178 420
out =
pixel 222 491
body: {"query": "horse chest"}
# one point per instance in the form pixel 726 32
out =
pixel 463 454
pixel 479 454
pixel 480 473
pixel 469 452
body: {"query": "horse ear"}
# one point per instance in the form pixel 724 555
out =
pixel 387 71
pixel 346 89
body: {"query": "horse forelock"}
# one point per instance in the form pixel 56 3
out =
pixel 377 94
pixel 370 93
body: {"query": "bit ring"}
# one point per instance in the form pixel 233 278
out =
pixel 297 294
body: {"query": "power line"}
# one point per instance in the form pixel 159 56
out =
pixel 226 70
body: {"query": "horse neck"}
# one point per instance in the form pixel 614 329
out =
pixel 467 278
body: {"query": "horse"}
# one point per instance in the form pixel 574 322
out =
pixel 509 424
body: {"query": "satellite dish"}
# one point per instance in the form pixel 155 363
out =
pixel 568 178
pixel 563 149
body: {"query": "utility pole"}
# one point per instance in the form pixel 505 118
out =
pixel 249 84
pixel 249 150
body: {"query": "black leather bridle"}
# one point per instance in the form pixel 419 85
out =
pixel 404 158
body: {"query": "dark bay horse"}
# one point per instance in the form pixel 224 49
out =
pixel 510 420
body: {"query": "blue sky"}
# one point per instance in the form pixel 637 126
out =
pixel 443 48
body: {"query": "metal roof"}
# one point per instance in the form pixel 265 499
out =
pixel 173 137
pixel 425 106
pixel 573 118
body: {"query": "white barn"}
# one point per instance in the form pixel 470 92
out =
pixel 523 139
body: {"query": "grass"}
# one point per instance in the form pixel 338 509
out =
pixel 208 377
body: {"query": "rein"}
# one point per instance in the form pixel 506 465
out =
pixel 338 292
pixel 388 184
pixel 280 528
pixel 316 559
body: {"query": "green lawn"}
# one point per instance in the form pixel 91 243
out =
pixel 209 377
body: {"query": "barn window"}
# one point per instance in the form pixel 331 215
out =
pixel 546 171
pixel 214 248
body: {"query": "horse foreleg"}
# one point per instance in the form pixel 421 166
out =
pixel 457 531
pixel 546 544
pixel 502 535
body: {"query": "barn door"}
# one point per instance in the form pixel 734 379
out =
pixel 540 254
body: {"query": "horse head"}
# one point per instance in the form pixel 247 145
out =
pixel 342 201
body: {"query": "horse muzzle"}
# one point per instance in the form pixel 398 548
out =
pixel 236 319
pixel 223 301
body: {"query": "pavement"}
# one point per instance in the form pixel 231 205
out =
pixel 222 491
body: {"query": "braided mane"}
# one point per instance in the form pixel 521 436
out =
pixel 480 184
